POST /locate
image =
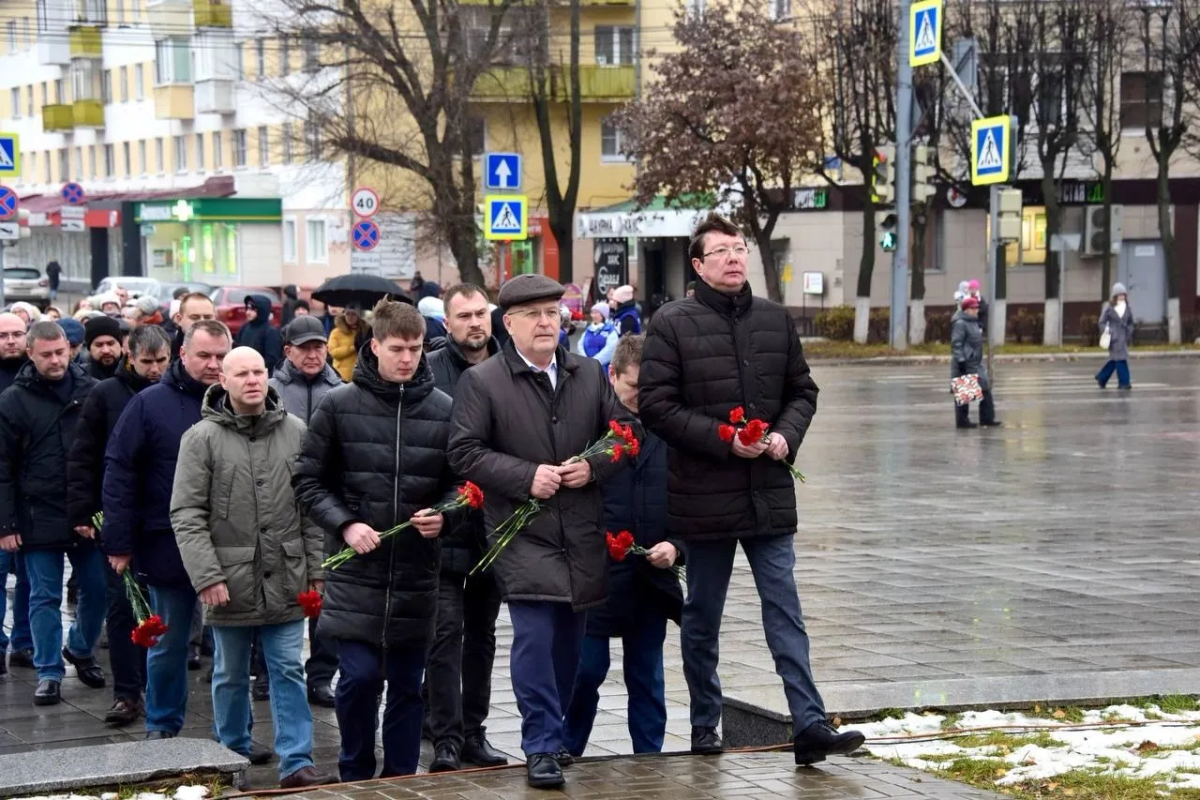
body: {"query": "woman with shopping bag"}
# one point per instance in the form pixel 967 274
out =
pixel 968 378
pixel 1116 332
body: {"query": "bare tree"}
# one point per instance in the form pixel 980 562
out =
pixel 931 86
pixel 389 86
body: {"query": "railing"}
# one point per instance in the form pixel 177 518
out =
pixel 88 113
pixel 597 83
pixel 58 118
pixel 85 42
pixel 212 14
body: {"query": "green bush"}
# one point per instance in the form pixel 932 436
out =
pixel 879 326
pixel 937 326
pixel 836 323
pixel 1026 328
pixel 1089 328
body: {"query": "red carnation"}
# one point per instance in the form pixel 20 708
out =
pixel 726 432
pixel 471 495
pixel 617 452
pixel 310 601
pixel 754 432
pixel 147 633
pixel 737 415
pixel 616 429
pixel 616 547
pixel 633 448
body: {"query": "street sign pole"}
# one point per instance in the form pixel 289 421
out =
pixel 992 262
pixel 904 77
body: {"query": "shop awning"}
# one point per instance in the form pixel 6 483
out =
pixel 659 219
pixel 103 209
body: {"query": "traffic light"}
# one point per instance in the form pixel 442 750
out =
pixel 883 176
pixel 888 241
pixel 885 221
pixel 1009 208
pixel 923 187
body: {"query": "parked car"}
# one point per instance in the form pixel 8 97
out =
pixel 134 284
pixel 166 292
pixel 26 284
pixel 231 304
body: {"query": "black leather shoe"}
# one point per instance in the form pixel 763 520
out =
pixel 705 741
pixel 159 735
pixel 87 669
pixel 478 751
pixel 822 739
pixel 123 712
pixel 993 424
pixel 261 690
pixel 543 772
pixel 194 662
pixel 47 694
pixel 565 759
pixel 306 777
pixel 321 696
pixel 964 426
pixel 21 658
pixel 259 754
pixel 445 758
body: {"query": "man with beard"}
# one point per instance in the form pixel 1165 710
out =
pixel 142 367
pixel 12 358
pixel 459 670
pixel 38 415
pixel 102 336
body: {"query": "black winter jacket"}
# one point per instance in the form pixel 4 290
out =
pixel 703 357
pixel 99 371
pixel 261 335
pixel 36 432
pixel 97 420
pixel 9 367
pixel 375 452
pixel 508 421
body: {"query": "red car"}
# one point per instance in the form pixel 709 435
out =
pixel 231 305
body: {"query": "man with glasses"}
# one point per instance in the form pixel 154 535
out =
pixel 705 356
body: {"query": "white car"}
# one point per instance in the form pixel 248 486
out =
pixel 26 284
pixel 133 284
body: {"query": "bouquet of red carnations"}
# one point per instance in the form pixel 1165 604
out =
pixel 310 601
pixel 750 433
pixel 469 496
pixel 150 625
pixel 623 544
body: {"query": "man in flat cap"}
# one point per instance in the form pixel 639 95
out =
pixel 518 420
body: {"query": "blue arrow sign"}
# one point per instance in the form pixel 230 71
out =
pixel 365 235
pixel 8 203
pixel 72 193
pixel 503 170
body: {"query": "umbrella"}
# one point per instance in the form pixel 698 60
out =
pixel 365 290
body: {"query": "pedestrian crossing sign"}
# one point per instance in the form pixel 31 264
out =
pixel 925 33
pixel 990 144
pixel 10 155
pixel 507 217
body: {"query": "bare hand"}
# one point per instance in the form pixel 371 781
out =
pixel 777 447
pixel 361 537
pixel 545 482
pixel 317 586
pixel 428 523
pixel 748 450
pixel 10 543
pixel 119 563
pixel 575 474
pixel 662 555
pixel 86 531
pixel 215 595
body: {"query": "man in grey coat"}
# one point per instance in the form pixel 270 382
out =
pixel 303 378
pixel 249 554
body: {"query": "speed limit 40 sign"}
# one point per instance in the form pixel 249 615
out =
pixel 365 202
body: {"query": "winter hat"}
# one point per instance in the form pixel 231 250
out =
pixel 601 308
pixel 432 307
pixel 970 302
pixel 30 310
pixel 73 328
pixel 623 294
pixel 101 326
pixel 1119 288
pixel 972 285
pixel 103 299
pixel 147 305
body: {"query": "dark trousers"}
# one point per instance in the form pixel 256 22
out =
pixel 987 411
pixel 772 562
pixel 459 671
pixel 126 659
pixel 364 668
pixel 1122 370
pixel 642 645
pixel 322 663
pixel 544 661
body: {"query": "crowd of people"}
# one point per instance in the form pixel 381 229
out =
pixel 221 473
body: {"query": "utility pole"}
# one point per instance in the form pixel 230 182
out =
pixel 904 90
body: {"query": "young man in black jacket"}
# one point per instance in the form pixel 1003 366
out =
pixel 374 456
pixel 141 367
pixel 12 358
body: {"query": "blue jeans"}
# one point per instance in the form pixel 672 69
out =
pixel 45 568
pixel 643 665
pixel 544 661
pixel 283 647
pixel 363 669
pixel 1122 369
pixel 772 561
pixel 22 637
pixel 166 663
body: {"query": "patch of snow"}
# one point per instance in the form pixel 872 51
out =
pixel 194 792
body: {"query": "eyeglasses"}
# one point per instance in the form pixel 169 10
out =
pixel 536 315
pixel 723 253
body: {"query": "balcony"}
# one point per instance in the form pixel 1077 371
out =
pixel 215 97
pixel 86 42
pixel 58 118
pixel 212 14
pixel 88 113
pixel 54 52
pixel 169 18
pixel 174 101
pixel 597 84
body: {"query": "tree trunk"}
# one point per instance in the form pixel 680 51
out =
pixel 463 246
pixel 563 230
pixel 866 266
pixel 770 267
pixel 1052 328
pixel 1106 257
pixel 1167 233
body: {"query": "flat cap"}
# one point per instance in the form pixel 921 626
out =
pixel 529 288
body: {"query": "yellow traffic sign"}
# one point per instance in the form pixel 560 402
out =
pixel 990 145
pixel 925 32
pixel 506 217
pixel 10 155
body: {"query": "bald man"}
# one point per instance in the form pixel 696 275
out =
pixel 12 348
pixel 249 552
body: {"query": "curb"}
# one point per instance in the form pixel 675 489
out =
pixel 885 361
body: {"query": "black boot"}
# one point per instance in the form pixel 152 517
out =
pixel 822 739
pixel 705 741
pixel 543 772
pixel 962 417
pixel 445 758
pixel 478 751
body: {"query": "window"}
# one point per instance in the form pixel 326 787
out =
pixel 79 163
pixel 43 16
pixel 172 61
pixel 180 154
pixel 59 90
pixel 105 86
pixel 135 10
pixel 15 93
pixel 781 9
pixel 285 58
pixel 87 80
pixel 199 152
pixel 264 146
pixel 110 161
pixel 218 155
pixel 614 45
pixel 289 240
pixel 120 12
pixel 286 145
pixel 124 84
pixel 312 140
pixel 12 35
pixel 695 8
pixel 127 151
pixel 1141 100
pixel 1033 244
pixel 29 102
pixel 28 35
pixel 139 82
pixel 46 168
pixel 95 163
pixel 239 61
pixel 142 160
pixel 317 249
pixel 160 165
pixel 239 148
pixel 45 93
pixel 612 143
pixel 64 165
pixel 312 57
pixel 260 59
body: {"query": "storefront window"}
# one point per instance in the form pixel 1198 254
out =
pixel 1033 244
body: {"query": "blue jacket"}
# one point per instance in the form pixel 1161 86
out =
pixel 627 320
pixel 139 473
pixel 635 500
pixel 599 343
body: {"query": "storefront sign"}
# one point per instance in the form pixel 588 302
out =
pixel 810 199
pixel 814 283
pixel 211 209
pixel 612 258
pixel 666 223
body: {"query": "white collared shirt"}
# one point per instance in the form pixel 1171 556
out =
pixel 551 371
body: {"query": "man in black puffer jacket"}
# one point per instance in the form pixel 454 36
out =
pixel 259 334
pixel 705 356
pixel 142 366
pixel 374 457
